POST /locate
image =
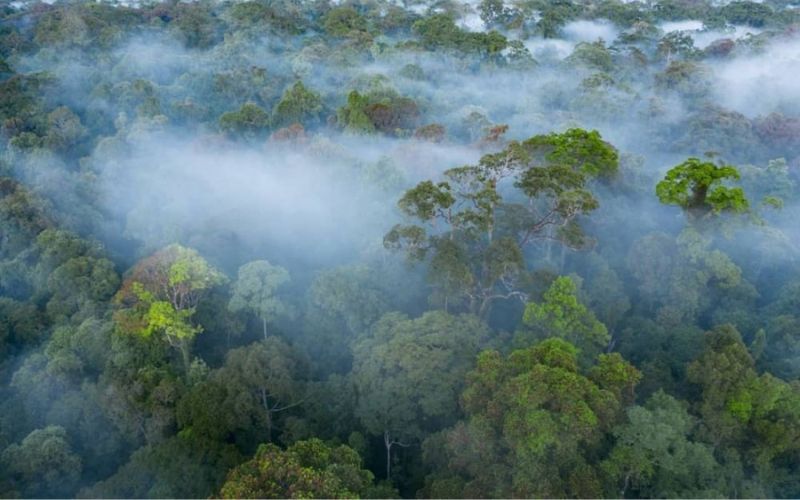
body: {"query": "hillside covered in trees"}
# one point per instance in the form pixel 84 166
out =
pixel 400 249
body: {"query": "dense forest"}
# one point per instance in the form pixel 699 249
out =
pixel 385 249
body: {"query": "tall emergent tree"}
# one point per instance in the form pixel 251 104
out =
pixel 476 222
pixel 697 187
pixel 161 293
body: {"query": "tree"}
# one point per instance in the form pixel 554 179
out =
pixel 746 12
pixel 344 22
pixel 480 218
pixel 241 401
pixel 696 186
pixel 172 468
pixel 248 121
pixel 690 80
pixel 64 129
pixel 81 282
pixel 161 293
pixel 354 295
pixel 440 32
pixel 678 275
pixel 494 13
pixel 297 105
pixel 409 373
pixel 534 422
pixel 676 43
pixel 43 464
pixel 593 55
pixel 754 418
pixel 380 110
pixel 255 291
pixel 306 469
pixel 352 115
pixel 654 457
pixel 562 315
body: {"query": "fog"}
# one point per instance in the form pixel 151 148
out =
pixel 591 31
pixel 762 83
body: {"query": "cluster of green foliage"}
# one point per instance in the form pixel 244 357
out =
pixel 696 187
pixel 476 239
pixel 378 111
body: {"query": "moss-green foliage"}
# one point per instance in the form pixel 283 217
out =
pixel 297 105
pixel 476 238
pixel 43 463
pixel 536 418
pixel 307 469
pixel 344 22
pixel 441 32
pixel 249 121
pixel 379 110
pixel 562 315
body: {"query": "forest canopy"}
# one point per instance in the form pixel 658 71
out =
pixel 382 249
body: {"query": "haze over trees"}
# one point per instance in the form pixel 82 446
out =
pixel 377 249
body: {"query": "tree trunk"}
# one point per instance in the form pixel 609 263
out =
pixel 388 443
pixel 264 321
pixel 625 486
pixel 265 403
pixel 186 354
pixel 485 307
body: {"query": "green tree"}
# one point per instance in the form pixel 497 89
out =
pixel 593 55
pixel 478 226
pixel 306 469
pixel 161 293
pixel 241 401
pixel 354 295
pixel 344 21
pixel 746 12
pixel 64 130
pixel 654 457
pixel 562 315
pixel 754 418
pixel 697 187
pixel 297 105
pixel 255 290
pixel 43 464
pixel 676 43
pixel 534 423
pixel 352 115
pixel 171 468
pixel 494 13
pixel 409 373
pixel 248 121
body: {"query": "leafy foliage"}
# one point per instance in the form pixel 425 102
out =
pixel 696 186
pixel 307 469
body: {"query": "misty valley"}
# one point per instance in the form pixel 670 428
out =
pixel 399 249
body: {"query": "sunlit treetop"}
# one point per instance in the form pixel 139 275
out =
pixel 161 293
pixel 697 187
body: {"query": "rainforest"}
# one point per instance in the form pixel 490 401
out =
pixel 399 249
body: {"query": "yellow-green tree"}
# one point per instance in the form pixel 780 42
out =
pixel 161 294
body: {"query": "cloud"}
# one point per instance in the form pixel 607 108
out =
pixel 591 31
pixel 760 83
